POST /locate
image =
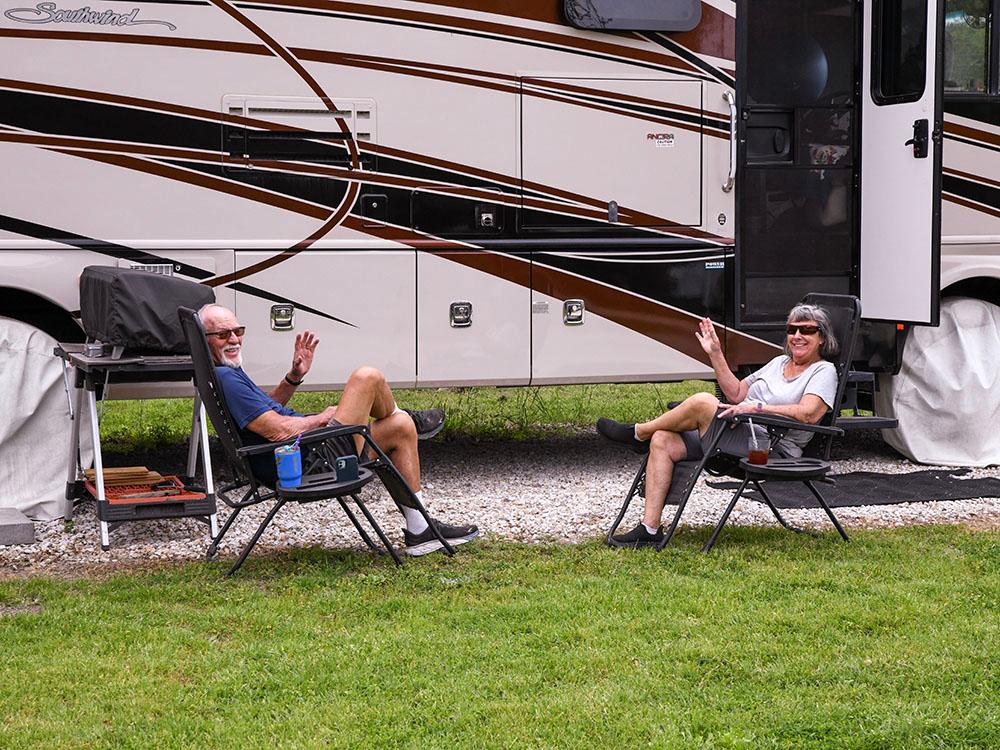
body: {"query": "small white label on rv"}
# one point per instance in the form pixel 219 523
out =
pixel 715 265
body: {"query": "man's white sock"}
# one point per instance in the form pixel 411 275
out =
pixel 650 529
pixel 635 432
pixel 415 521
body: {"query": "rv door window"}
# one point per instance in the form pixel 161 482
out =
pixel 900 51
pixel 966 46
pixel 634 15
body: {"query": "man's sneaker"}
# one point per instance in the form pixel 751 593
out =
pixel 637 537
pixel 426 542
pixel 622 433
pixel 429 422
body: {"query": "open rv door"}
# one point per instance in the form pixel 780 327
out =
pixel 901 122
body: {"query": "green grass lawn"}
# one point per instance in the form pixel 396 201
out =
pixel 774 640
pixel 515 413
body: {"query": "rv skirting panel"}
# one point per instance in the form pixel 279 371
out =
pixel 35 428
pixel 947 393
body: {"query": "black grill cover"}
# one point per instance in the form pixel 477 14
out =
pixel 138 309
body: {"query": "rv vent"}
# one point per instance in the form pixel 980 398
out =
pixel 302 129
pixel 257 111
pixel 164 269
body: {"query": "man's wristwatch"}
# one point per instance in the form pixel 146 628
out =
pixel 759 410
pixel 294 383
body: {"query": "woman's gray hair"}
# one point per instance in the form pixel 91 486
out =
pixel 829 346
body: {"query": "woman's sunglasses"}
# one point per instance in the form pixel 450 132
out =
pixel 792 330
pixel 224 335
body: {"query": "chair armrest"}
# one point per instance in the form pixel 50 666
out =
pixel 774 420
pixel 308 438
pixel 325 433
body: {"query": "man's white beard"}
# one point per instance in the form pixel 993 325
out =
pixel 233 363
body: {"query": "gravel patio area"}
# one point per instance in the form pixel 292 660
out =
pixel 563 489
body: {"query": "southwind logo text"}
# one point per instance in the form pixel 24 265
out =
pixel 49 13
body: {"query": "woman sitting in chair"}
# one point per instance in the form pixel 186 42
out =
pixel 800 384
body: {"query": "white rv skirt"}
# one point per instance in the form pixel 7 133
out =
pixel 35 423
pixel 947 393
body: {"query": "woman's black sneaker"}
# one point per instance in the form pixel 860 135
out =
pixel 622 433
pixel 429 422
pixel 637 537
pixel 426 542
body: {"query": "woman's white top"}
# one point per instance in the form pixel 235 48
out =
pixel 770 387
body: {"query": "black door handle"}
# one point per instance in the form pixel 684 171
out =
pixel 920 140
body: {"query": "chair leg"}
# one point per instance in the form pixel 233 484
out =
pixel 673 524
pixel 214 546
pixel 725 516
pixel 633 490
pixel 378 530
pixel 822 502
pixel 260 530
pixel 395 485
pixel 757 485
pixel 354 520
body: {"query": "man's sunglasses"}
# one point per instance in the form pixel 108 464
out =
pixel 224 335
pixel 792 330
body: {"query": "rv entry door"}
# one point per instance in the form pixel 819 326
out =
pixel 901 124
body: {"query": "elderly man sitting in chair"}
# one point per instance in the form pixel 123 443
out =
pixel 265 417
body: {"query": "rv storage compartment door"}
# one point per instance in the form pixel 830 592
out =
pixel 901 161
pixel 473 319
pixel 360 302
pixel 596 152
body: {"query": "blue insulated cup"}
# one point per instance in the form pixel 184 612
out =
pixel 288 459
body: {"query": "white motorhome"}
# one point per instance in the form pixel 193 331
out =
pixel 474 191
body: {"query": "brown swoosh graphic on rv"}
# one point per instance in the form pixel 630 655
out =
pixel 670 326
pixel 243 48
pixel 715 34
pixel 491 28
pixel 974 134
pixel 353 188
pixel 536 90
pixel 970 176
pixel 970 205
pixel 80 146
pixel 369 62
pixel 203 180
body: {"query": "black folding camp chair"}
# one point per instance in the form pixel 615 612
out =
pixel 318 472
pixel 845 317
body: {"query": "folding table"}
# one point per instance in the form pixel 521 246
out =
pixel 90 375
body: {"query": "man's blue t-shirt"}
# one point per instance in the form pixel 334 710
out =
pixel 246 402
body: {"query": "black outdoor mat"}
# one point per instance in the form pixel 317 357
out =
pixel 869 488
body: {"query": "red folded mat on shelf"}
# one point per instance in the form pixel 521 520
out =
pixel 169 490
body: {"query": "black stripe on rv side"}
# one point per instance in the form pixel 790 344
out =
pixel 55 115
pixel 453 215
pixel 689 286
pixel 319 189
pixel 662 112
pixel 58 115
pixel 690 57
pixel 974 191
pixel 239 286
pixel 121 252
pixel 482 35
pixel 41 232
